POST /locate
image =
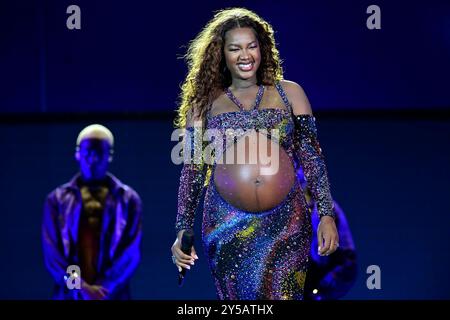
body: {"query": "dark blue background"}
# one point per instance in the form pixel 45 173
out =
pixel 381 99
pixel 124 58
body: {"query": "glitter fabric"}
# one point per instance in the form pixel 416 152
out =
pixel 192 179
pixel 262 255
pixel 313 163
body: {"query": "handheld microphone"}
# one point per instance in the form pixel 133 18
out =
pixel 187 241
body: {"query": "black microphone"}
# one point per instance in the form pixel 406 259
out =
pixel 187 241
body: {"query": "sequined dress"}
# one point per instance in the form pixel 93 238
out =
pixel 262 255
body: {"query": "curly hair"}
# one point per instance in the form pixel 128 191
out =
pixel 207 75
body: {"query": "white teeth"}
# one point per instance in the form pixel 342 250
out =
pixel 245 66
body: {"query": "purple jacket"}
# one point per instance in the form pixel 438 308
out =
pixel 119 253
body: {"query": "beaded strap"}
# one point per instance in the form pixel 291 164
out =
pixel 283 96
pixel 258 98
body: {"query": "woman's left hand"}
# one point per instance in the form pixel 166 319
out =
pixel 327 236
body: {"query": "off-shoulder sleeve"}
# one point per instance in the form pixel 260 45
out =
pixel 311 158
pixel 192 179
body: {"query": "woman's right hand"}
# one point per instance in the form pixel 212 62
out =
pixel 180 259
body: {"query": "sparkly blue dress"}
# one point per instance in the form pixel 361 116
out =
pixel 262 255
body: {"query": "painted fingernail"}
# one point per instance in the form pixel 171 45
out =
pixel 189 268
pixel 179 269
pixel 196 257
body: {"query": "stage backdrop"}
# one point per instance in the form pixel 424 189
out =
pixel 126 55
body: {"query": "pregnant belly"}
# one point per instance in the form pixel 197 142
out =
pixel 254 174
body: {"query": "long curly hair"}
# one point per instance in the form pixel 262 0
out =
pixel 207 73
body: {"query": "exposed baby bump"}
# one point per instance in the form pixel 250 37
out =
pixel 254 174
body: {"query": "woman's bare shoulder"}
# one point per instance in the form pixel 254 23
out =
pixel 297 96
